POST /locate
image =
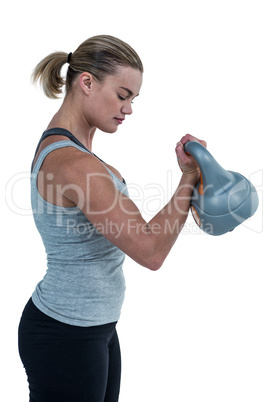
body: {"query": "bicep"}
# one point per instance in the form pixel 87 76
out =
pixel 113 213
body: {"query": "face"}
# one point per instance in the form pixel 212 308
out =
pixel 108 103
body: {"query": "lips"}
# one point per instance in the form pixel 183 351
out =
pixel 119 120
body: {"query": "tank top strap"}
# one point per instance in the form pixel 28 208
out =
pixel 66 133
pixel 73 142
pixel 50 148
pixel 62 131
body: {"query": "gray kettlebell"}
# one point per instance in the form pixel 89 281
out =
pixel 221 199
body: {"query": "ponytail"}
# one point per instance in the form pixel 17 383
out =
pixel 48 72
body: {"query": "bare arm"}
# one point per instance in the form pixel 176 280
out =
pixel 119 219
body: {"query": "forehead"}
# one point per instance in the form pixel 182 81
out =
pixel 126 77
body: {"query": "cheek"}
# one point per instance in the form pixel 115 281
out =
pixel 111 103
pixel 102 111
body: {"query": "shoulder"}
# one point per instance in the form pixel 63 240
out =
pixel 67 163
pixel 70 162
pixel 84 180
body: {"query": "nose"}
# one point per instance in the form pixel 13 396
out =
pixel 127 108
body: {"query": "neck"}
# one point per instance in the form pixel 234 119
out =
pixel 70 118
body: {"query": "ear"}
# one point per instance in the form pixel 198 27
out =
pixel 86 81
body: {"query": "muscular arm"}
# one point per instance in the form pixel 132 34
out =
pixel 119 219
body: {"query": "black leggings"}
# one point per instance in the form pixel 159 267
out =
pixel 66 363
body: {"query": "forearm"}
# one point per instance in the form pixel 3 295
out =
pixel 165 227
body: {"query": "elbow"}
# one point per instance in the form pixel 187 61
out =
pixel 154 263
pixel 153 256
pixel 155 266
pixel 149 262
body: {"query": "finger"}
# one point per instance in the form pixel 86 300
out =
pixel 189 137
pixel 181 155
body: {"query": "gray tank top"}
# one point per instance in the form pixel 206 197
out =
pixel 84 283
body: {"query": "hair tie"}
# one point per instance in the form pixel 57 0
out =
pixel 69 58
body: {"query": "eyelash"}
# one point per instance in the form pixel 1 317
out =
pixel 123 99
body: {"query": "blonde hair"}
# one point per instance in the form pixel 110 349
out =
pixel 99 56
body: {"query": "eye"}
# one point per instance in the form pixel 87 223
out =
pixel 121 98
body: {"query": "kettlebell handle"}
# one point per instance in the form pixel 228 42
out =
pixel 192 150
pixel 209 167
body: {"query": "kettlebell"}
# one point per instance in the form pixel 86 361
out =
pixel 221 199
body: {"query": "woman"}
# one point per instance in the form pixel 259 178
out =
pixel 67 334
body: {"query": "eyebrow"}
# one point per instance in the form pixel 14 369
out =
pixel 128 91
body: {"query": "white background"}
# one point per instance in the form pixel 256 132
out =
pixel 197 329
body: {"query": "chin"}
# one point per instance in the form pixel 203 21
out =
pixel 109 130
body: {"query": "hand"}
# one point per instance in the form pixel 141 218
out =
pixel 186 162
